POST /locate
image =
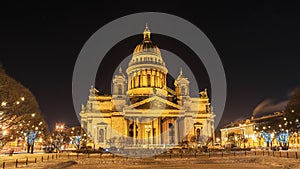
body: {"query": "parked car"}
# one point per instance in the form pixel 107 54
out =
pixel 86 148
pixel 217 146
pixel 9 151
pixel 68 149
pixel 49 149
pixel 276 148
pixel 111 149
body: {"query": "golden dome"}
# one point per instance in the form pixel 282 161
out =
pixel 147 46
pixel 146 69
pixel 146 54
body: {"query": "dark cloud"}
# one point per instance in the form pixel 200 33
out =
pixel 268 106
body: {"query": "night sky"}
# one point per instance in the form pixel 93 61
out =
pixel 258 43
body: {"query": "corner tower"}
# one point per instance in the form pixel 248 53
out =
pixel 146 71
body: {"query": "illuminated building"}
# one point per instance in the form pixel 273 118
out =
pixel 249 132
pixel 143 107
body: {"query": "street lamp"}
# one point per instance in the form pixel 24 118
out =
pixel 148 129
pixel 4 103
pixel 243 130
pixel 59 138
pixel 4 132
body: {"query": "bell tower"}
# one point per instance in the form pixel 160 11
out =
pixel 182 88
pixel 119 87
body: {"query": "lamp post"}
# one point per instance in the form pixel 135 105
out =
pixel 148 129
pixel 59 138
pixel 243 130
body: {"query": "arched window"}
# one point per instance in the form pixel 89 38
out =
pixel 101 136
pixel 182 90
pixel 171 133
pixel 120 91
pixel 198 134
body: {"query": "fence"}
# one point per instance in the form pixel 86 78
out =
pixel 132 155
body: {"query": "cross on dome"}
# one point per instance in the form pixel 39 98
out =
pixel 147 33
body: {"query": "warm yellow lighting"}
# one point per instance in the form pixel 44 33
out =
pixel 33 115
pixel 4 132
pixel 148 127
pixel 18 102
pixel 4 103
pixel 22 98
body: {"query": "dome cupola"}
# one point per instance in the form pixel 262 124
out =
pixel 146 69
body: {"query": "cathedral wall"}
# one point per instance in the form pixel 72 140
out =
pixel 119 125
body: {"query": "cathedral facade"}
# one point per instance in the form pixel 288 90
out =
pixel 143 110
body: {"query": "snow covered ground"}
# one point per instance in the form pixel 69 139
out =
pixel 95 161
pixel 107 161
pixel 214 162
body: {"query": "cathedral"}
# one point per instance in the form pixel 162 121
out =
pixel 143 110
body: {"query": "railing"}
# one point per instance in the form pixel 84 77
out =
pixel 141 154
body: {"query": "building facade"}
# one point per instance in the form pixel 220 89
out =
pixel 252 132
pixel 143 110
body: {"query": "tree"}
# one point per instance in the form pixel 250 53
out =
pixel 283 126
pixel 19 111
pixel 292 112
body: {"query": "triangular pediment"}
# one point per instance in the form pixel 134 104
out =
pixel 156 103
